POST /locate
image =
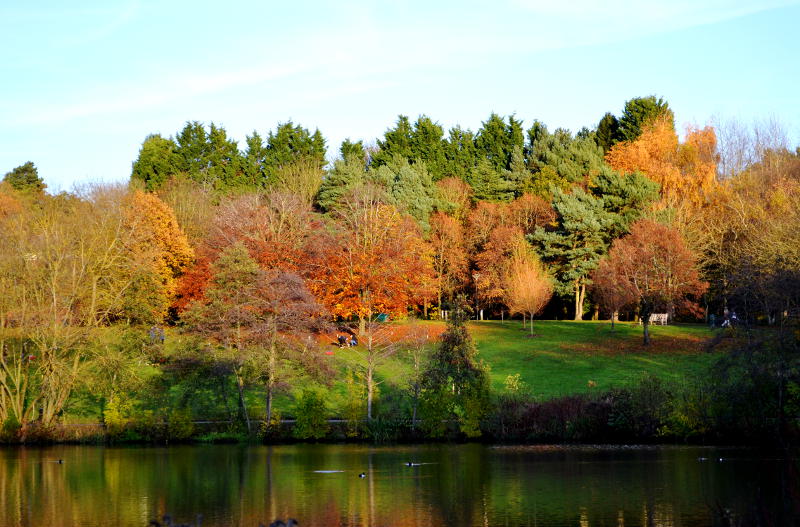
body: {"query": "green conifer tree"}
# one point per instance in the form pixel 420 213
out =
pixel 25 178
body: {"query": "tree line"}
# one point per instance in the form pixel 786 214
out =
pixel 258 250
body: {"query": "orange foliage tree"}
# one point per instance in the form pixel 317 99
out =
pixel 450 264
pixel 492 263
pixel 654 267
pixel 157 245
pixel 686 172
pixel 375 260
pixel 529 211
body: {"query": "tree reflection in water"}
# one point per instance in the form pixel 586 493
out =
pixel 451 485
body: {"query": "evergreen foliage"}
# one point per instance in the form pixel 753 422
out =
pixel 345 175
pixel 157 162
pixel 641 111
pixel 352 149
pixel 461 153
pixel 410 188
pixel 455 384
pixel 627 196
pixel 608 132
pixel 575 245
pixel 496 140
pixel 488 184
pixel 25 178
pixel 560 160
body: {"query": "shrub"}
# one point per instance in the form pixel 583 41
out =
pixel 179 425
pixel 116 417
pixel 311 416
pixel 9 431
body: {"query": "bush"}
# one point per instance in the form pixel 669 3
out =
pixel 116 417
pixel 179 425
pixel 9 431
pixel 311 416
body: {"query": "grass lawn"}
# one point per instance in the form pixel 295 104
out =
pixel 562 358
pixel 565 355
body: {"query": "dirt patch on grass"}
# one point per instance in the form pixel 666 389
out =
pixel 687 344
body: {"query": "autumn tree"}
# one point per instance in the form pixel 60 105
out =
pixel 275 227
pixel 529 212
pixel 608 291
pixel 456 197
pixel 375 260
pixel 301 177
pixel 527 286
pixel 685 172
pixel 63 271
pixel 288 316
pixel 450 264
pixel 653 266
pixel 493 260
pixel 157 243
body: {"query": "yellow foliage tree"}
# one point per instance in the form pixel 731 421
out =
pixel 686 172
pixel 528 288
pixel 159 251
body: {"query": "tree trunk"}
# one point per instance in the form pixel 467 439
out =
pixel 613 319
pixel 530 324
pixel 644 312
pixel 370 391
pixel 414 411
pixel 579 289
pixel 269 404
pixel 242 403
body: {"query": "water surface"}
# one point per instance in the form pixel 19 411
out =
pixel 458 485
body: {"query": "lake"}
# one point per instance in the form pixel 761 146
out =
pixel 458 485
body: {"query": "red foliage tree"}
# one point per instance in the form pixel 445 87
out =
pixel 372 261
pixel 654 266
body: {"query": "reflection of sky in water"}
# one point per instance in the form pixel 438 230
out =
pixel 458 485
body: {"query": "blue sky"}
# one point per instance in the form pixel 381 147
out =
pixel 82 86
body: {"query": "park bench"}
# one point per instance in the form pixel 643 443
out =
pixel 660 319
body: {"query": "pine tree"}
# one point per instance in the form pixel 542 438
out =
pixel 496 140
pixel 25 178
pixel 410 188
pixel 461 153
pixel 488 184
pixel 576 244
pixel 193 150
pixel 640 112
pixel 608 132
pixel 224 160
pixel 455 384
pixel 559 160
pixel 254 161
pixel 345 175
pixel 352 149
pixel 396 141
pixel 627 196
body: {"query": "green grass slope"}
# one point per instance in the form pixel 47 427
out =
pixel 565 356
